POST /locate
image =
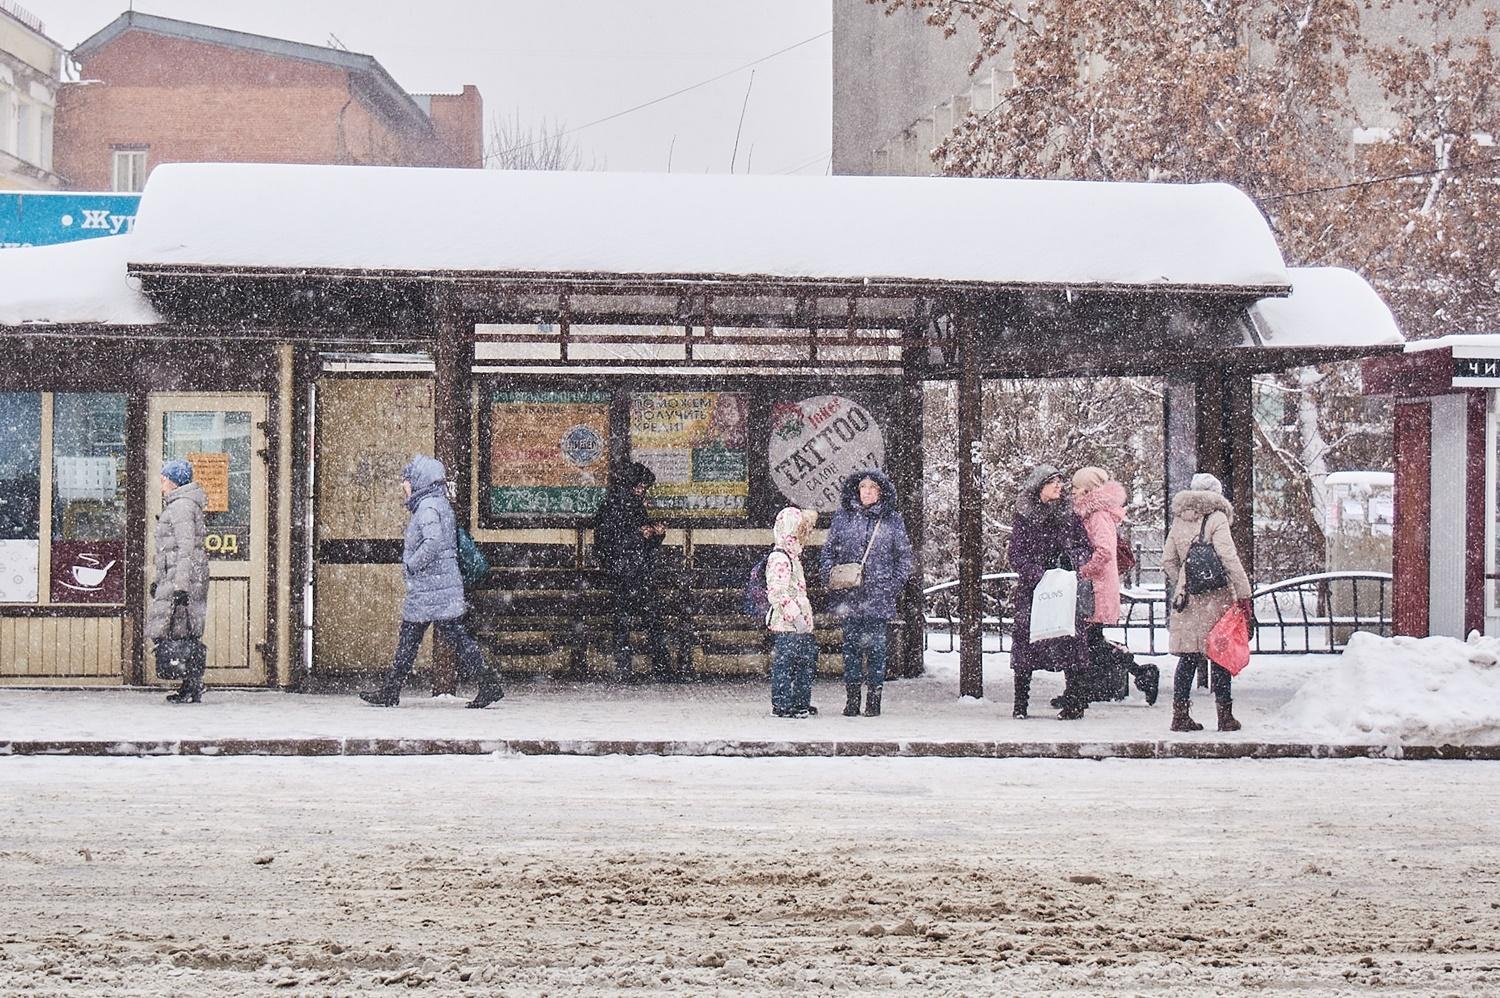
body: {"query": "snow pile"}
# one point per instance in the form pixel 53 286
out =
pixel 1328 307
pixel 1416 691
pixel 73 282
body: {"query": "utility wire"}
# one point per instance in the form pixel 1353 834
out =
pixel 1380 180
pixel 664 97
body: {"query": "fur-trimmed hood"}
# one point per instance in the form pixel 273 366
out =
pixel 1189 505
pixel 1107 498
pixel 849 492
pixel 1028 504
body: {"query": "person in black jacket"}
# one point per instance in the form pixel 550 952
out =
pixel 627 544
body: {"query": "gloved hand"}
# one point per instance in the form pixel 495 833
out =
pixel 1247 607
pixel 179 597
pixel 152 590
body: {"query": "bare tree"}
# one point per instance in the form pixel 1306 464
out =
pixel 518 145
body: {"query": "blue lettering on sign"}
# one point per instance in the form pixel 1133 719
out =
pixel 46 218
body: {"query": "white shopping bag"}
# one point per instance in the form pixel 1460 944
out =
pixel 1054 606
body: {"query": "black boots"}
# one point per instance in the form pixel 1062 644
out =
pixel 490 690
pixel 872 702
pixel 191 691
pixel 1023 695
pixel 1181 719
pixel 1148 681
pixel 386 696
pixel 851 701
pixel 1226 717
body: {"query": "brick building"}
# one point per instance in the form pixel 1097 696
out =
pixel 155 90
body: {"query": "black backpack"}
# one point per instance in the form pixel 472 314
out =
pixel 1203 571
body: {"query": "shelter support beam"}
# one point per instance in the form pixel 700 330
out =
pixel 452 391
pixel 970 511
pixel 1207 415
pixel 907 469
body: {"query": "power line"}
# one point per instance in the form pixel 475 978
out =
pixel 675 93
pixel 1379 180
pixel 806 163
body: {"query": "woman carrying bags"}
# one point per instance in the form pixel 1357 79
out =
pixel 1201 516
pixel 1047 534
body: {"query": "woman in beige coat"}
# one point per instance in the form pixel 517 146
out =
pixel 1201 510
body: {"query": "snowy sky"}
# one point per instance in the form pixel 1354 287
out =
pixel 573 61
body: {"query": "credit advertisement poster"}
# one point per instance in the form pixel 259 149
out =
pixel 695 442
pixel 549 452
pixel 818 442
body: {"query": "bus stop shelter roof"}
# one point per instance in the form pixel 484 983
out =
pixel 632 227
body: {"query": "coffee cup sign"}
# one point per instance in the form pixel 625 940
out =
pixel 817 443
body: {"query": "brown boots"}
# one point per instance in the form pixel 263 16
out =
pixel 1226 718
pixel 1183 721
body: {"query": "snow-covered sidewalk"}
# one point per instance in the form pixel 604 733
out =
pixel 922 717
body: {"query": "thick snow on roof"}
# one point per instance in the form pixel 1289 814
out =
pixel 72 282
pixel 894 228
pixel 1455 340
pixel 1328 307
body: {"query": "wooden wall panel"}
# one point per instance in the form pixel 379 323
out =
pixel 1413 432
pixel 358 614
pixel 51 648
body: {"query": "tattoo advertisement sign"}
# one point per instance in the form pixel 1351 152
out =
pixel 817 443
pixel 696 444
pixel 549 452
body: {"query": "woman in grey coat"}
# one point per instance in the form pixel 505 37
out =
pixel 181 571
pixel 434 587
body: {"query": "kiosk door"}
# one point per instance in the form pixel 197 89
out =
pixel 223 436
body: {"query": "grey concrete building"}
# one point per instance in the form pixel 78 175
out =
pixel 30 71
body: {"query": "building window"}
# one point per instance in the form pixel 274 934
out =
pixel 129 170
pixel 45 160
pixel 62 520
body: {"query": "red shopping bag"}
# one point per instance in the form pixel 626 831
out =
pixel 1229 642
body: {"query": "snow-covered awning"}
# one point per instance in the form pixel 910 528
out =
pixel 81 282
pixel 871 230
pixel 1329 307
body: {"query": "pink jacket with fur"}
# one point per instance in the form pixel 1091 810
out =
pixel 1102 512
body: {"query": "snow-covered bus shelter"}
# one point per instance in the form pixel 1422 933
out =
pixel 299 331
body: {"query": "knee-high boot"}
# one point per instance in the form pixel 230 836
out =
pixel 1023 693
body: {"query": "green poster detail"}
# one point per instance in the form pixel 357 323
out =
pixel 570 499
pixel 716 463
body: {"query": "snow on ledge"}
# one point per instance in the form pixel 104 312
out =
pixel 1014 232
pixel 80 282
pixel 1328 307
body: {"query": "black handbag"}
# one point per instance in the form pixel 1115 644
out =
pixel 180 648
pixel 1203 571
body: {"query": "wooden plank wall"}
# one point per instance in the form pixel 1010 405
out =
pixel 54 648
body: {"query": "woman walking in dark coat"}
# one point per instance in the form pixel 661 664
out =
pixel 434 588
pixel 1046 534
pixel 627 544
pixel 181 586
pixel 867 528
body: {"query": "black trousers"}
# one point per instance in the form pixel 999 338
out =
pixel 470 657
pixel 635 602
pixel 1187 667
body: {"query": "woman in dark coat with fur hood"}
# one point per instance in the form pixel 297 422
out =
pixel 867 521
pixel 1046 534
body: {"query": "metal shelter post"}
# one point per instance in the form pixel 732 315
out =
pixel 970 513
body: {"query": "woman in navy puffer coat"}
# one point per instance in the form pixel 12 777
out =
pixel 867 510
pixel 434 587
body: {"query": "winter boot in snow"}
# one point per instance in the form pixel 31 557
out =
pixel 386 696
pixel 1073 708
pixel 490 690
pixel 1226 717
pixel 1148 681
pixel 851 701
pixel 872 702
pixel 1023 695
pixel 1181 719
pixel 191 691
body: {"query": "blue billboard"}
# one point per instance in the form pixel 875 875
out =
pixel 33 218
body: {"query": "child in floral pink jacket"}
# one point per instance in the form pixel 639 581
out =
pixel 795 653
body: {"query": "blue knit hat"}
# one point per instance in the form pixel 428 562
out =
pixel 178 472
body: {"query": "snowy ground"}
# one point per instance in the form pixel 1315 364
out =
pixel 1386 698
pixel 674 876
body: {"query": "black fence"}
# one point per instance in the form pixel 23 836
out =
pixel 1310 613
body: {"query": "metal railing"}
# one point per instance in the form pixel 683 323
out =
pixel 1309 613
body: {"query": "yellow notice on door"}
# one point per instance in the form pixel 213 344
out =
pixel 211 472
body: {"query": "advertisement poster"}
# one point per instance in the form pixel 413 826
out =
pixel 817 443
pixel 88 572
pixel 549 452
pixel 696 443
pixel 211 472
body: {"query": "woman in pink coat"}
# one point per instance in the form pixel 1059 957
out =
pixel 1099 502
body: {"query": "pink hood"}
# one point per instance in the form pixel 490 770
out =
pixel 1107 498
